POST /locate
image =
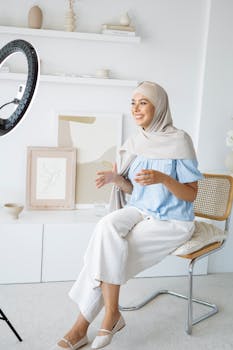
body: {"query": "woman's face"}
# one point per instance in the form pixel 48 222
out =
pixel 142 110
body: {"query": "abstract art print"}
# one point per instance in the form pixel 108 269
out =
pixel 96 136
pixel 51 173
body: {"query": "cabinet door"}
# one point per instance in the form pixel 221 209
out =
pixel 63 250
pixel 20 254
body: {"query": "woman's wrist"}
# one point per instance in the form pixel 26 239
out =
pixel 122 183
pixel 165 179
pixel 117 179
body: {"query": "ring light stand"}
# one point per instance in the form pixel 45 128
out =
pixel 13 47
pixel 7 125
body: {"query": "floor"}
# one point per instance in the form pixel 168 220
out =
pixel 42 313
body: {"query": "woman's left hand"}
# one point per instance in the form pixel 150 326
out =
pixel 149 177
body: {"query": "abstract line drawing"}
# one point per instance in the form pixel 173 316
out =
pixel 51 173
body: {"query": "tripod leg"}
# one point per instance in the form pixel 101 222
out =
pixel 4 318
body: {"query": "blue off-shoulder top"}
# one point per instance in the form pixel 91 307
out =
pixel 156 199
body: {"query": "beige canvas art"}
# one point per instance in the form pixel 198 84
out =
pixel 96 138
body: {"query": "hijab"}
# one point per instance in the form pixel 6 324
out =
pixel 160 140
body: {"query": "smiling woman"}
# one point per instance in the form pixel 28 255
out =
pixel 158 168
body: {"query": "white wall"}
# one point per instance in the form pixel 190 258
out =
pixel 175 52
pixel 169 54
pixel 217 106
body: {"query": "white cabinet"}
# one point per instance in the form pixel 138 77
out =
pixel 21 249
pixel 44 246
pixel 49 246
pixel 64 246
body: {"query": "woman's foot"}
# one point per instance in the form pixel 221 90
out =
pixel 72 337
pixel 109 321
pixel 105 335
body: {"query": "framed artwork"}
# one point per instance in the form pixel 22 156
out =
pixel 51 173
pixel 96 136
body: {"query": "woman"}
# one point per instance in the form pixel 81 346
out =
pixel 159 172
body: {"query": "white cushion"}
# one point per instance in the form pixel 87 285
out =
pixel 204 234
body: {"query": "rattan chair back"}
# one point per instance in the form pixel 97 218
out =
pixel 214 197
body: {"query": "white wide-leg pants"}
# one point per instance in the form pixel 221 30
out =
pixel 124 243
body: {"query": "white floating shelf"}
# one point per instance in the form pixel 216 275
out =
pixel 71 80
pixel 69 35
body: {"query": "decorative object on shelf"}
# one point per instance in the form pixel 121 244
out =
pixel 124 28
pixel 111 29
pixel 229 156
pixel 102 73
pixel 96 136
pixel 51 173
pixel 13 209
pixel 70 18
pixel 35 17
pixel 125 19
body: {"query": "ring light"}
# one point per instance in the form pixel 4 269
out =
pixel 7 125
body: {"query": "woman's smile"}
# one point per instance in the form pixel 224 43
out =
pixel 138 116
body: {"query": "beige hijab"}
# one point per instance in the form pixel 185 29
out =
pixel 160 140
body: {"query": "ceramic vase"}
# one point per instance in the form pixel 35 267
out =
pixel 35 17
pixel 229 162
pixel 70 19
pixel 125 19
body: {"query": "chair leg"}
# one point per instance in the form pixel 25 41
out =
pixel 190 299
pixel 190 321
pixel 4 318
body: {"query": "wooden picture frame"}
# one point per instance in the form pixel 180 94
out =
pixel 51 178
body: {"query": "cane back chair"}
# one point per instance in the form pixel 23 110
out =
pixel 214 202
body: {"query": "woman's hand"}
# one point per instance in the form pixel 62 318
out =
pixel 184 191
pixel 106 177
pixel 149 177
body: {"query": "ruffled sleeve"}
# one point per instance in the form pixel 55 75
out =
pixel 187 170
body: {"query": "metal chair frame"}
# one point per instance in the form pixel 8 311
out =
pixel 214 248
pixel 4 318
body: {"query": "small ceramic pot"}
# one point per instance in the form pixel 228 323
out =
pixel 13 209
pixel 102 73
pixel 125 19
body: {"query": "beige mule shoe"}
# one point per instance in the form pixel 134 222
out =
pixel 102 340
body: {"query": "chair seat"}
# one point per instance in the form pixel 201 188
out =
pixel 202 251
pixel 204 236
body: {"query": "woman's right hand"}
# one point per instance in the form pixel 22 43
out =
pixel 106 177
